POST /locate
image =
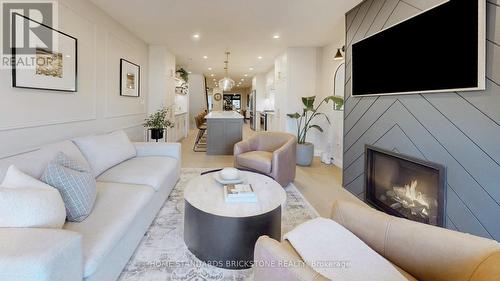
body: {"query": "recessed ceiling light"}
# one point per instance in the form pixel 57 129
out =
pixel 196 36
pixel 242 79
pixel 212 75
pixel 205 57
pixel 276 36
pixel 209 68
pixel 215 79
pixel 251 68
pixel 259 57
pixel 246 75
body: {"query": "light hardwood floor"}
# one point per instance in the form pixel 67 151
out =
pixel 320 184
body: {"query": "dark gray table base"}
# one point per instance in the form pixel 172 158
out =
pixel 227 242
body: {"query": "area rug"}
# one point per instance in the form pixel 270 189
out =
pixel 162 254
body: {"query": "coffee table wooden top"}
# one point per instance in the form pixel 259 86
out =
pixel 207 195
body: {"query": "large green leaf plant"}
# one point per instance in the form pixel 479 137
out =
pixel 311 113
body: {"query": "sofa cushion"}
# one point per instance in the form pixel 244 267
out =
pixel 76 185
pixel 28 202
pixel 105 151
pixel 40 254
pixel 256 160
pixel 34 162
pixel 15 178
pixel 116 207
pixel 151 170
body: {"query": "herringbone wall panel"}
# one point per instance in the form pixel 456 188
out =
pixel 459 130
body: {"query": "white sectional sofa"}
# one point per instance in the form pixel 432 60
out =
pixel 129 195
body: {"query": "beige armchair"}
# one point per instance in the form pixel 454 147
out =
pixel 270 153
pixel 418 251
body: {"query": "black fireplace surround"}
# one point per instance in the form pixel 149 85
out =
pixel 405 186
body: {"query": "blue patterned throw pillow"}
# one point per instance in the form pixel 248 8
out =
pixel 76 184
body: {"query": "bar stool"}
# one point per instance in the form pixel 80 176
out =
pixel 200 141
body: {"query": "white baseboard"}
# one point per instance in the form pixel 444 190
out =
pixel 338 162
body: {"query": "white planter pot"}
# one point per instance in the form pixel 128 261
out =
pixel 305 154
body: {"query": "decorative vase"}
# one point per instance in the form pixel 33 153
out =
pixel 305 154
pixel 156 133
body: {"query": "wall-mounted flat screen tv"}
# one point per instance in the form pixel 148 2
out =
pixel 439 50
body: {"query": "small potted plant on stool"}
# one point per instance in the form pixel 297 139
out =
pixel 157 122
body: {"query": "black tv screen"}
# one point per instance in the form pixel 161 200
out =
pixel 439 50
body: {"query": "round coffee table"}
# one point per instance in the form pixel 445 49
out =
pixel 224 234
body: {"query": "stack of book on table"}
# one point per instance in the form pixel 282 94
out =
pixel 239 193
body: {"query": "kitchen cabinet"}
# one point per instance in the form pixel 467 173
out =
pixel 180 129
pixel 271 122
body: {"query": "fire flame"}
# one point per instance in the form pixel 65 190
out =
pixel 411 195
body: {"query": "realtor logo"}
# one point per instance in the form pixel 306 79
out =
pixel 22 28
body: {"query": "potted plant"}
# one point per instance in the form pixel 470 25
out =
pixel 183 74
pixel 305 150
pixel 157 122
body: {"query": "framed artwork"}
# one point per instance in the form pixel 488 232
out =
pixel 53 68
pixel 130 79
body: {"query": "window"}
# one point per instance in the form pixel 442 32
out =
pixel 232 101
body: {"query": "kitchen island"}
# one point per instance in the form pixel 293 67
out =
pixel 224 129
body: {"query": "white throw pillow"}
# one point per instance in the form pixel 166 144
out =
pixel 105 151
pixel 14 178
pixel 28 202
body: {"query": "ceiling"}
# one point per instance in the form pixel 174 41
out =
pixel 243 27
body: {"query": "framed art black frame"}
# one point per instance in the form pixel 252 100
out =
pixel 122 61
pixel 15 83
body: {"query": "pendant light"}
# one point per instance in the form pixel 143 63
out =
pixel 226 83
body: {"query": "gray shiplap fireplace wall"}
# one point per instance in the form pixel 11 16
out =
pixel 459 130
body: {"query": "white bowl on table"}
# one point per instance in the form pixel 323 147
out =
pixel 228 176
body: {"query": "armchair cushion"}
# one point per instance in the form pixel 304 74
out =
pixel 256 160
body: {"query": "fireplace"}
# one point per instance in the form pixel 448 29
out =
pixel 405 186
